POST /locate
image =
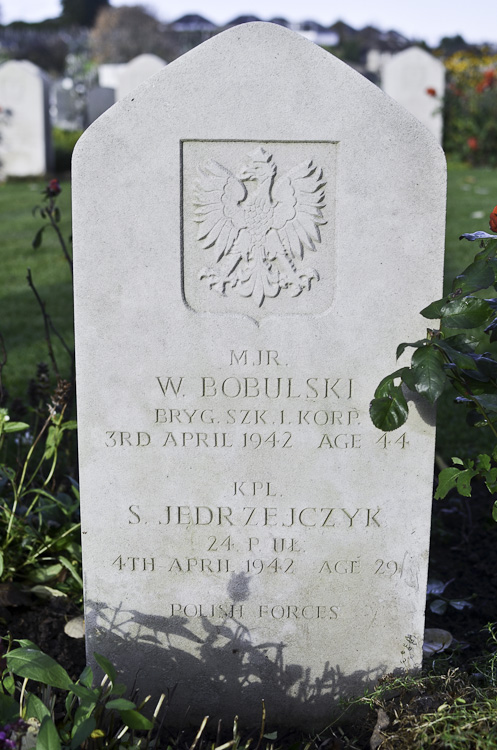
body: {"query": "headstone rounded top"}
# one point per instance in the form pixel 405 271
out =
pixel 264 65
pixel 24 65
pixel 147 59
pixel 414 55
pixel 136 72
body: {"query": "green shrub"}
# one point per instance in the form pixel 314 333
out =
pixel 64 142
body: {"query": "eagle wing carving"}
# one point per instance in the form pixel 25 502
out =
pixel 259 225
pixel 298 214
pixel 217 197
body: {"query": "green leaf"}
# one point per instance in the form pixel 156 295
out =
pixel 494 511
pixel 461 359
pixel 434 310
pixel 408 379
pixel 45 574
pixel 389 412
pixel 446 481
pixel 463 482
pixel 388 383
pixel 38 236
pixel 35 708
pixel 439 606
pixel 467 312
pixel 460 604
pixel 483 462
pixel 491 480
pixel 54 437
pixel 48 737
pixel 134 720
pixel 9 684
pixel 488 402
pixel 35 665
pixel 402 347
pixel 486 365
pixel 457 461
pixel 462 342
pixel 428 372
pixel 15 426
pixel 70 425
pixel 24 643
pixel 86 677
pixel 107 667
pixel 83 731
pixel 122 704
pixel 478 275
pixel 70 567
pixel 88 696
pixel 491 329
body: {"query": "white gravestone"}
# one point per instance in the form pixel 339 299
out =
pixel 25 145
pixel 136 72
pixel 255 230
pixel 416 79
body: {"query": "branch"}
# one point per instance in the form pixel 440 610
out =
pixel 46 322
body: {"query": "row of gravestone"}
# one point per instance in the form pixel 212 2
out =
pixel 30 105
pixel 413 78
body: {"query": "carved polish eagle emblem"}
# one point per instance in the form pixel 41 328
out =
pixel 259 225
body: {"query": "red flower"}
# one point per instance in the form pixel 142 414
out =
pixel 487 81
pixel 489 77
pixel 53 188
pixel 493 220
pixel 431 92
pixel 473 143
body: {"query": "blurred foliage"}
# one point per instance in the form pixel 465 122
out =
pixel 470 107
pixel 64 142
pixel 120 34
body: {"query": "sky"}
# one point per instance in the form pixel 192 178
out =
pixel 417 19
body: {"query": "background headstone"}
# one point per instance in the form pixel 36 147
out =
pixel 136 72
pixel 25 145
pixel 255 230
pixel 416 79
pixel 99 100
pixel 108 74
pixel 67 105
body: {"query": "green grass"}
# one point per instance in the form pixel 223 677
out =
pixel 21 322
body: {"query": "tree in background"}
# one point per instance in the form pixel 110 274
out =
pixel 82 12
pixel 120 34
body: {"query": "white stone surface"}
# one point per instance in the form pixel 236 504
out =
pixel 136 72
pixel 25 145
pixel 108 74
pixel 247 532
pixel 410 78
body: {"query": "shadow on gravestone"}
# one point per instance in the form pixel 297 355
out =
pixel 199 675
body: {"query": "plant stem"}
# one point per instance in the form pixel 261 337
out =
pixel 50 212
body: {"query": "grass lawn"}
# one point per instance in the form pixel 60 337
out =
pixel 21 322
pixel 471 193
